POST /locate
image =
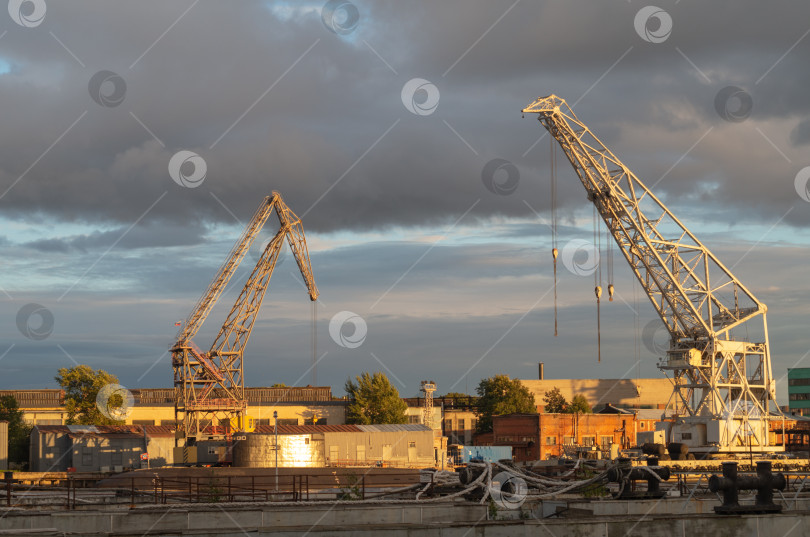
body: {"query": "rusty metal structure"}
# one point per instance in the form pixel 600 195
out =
pixel 210 385
pixel 723 387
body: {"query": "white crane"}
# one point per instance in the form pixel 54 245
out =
pixel 723 387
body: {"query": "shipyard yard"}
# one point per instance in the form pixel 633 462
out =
pixel 436 269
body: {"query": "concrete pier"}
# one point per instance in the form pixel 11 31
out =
pixel 597 519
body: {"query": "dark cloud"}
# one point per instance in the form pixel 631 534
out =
pixel 800 135
pixel 308 136
pixel 272 100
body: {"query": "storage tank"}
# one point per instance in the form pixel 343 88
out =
pixel 258 450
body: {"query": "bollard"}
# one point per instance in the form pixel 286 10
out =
pixel 8 477
pixel 624 473
pixel 730 484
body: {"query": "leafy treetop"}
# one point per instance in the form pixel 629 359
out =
pixel 374 400
pixel 81 384
pixel 500 395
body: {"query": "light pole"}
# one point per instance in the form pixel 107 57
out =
pixel 275 426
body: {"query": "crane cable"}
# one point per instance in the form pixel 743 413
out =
pixel 597 280
pixel 609 243
pixel 314 342
pixel 554 251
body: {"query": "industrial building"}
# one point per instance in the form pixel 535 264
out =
pixel 623 393
pixel 155 406
pixel 799 391
pixel 542 436
pixel 99 448
pixel 89 448
pixel 399 446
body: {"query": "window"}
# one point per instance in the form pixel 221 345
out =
pixel 414 419
pixel 167 422
pixel 262 421
pixel 461 425
pixel 473 424
pixel 288 421
pixel 799 382
pixel 551 440
pixel 448 425
pixel 212 450
pixel 642 425
pixel 143 422
pixel 686 436
pixel 800 396
pixel 605 441
pixel 411 445
pixel 568 440
pixel 588 440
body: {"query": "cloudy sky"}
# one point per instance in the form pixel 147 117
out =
pixel 447 265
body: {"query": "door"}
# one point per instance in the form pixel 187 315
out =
pixel 411 453
pixel 361 454
pixel 333 455
pixel 388 453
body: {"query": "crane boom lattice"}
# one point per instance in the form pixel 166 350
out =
pixel 210 386
pixel 722 386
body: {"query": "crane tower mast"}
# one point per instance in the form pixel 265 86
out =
pixel 722 386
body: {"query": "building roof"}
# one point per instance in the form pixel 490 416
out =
pixel 315 429
pixel 117 431
pixel 610 409
pixel 51 398
pixel 307 429
pixel 391 428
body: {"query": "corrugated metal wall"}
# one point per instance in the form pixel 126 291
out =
pixel 390 448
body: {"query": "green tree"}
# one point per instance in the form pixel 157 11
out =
pixel 579 405
pixel 500 395
pixel 81 385
pixel 374 400
pixel 554 401
pixel 19 432
pixel 279 385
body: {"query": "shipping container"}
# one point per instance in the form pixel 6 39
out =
pixel 464 454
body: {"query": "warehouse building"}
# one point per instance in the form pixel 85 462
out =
pixel 396 446
pixel 99 448
pixel 622 393
pixel 542 436
pixel 155 406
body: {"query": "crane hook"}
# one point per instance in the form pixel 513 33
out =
pixel 610 292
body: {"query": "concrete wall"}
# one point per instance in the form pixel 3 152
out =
pixel 397 520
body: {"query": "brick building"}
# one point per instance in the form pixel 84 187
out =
pixel 543 436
